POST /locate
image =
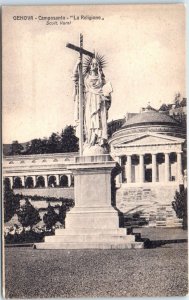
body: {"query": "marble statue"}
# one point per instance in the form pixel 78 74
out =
pixel 96 102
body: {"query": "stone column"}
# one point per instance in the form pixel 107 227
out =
pixel 119 176
pixel 57 179
pixel 11 181
pixel 46 180
pixel 167 167
pixel 129 164
pixel 185 178
pixel 141 168
pixel 23 180
pixel 69 180
pixel 154 168
pixel 179 167
pixel 34 180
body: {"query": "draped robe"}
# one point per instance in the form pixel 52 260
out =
pixel 95 109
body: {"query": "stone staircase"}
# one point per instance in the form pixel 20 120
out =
pixel 154 203
pixel 90 239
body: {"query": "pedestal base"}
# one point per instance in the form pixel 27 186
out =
pixel 92 217
pixel 90 239
pixel 93 223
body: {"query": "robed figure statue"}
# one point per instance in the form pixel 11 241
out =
pixel 96 101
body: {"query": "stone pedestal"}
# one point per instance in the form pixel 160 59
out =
pixel 93 223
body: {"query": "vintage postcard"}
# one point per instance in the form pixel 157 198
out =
pixel 94 151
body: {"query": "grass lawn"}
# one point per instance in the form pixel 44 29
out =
pixel 96 273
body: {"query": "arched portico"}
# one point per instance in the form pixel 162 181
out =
pixel 52 181
pixel 64 181
pixel 29 183
pixel 17 183
pixel 40 182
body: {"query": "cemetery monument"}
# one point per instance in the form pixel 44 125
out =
pixel 93 223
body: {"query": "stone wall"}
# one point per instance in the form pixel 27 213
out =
pixel 152 203
pixel 48 192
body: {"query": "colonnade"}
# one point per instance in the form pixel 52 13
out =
pixel 62 180
pixel 154 167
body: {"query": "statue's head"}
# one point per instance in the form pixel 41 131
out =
pixel 94 65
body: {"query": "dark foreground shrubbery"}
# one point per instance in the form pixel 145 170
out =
pixel 26 237
pixel 180 206
pixel 134 220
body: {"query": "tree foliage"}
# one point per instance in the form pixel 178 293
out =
pixel 11 203
pixel 68 141
pixel 28 215
pixel 53 143
pixel 180 206
pixel 62 213
pixel 36 146
pixel 16 148
pixel 56 143
pixel 50 218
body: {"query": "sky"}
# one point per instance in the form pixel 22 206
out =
pixel 144 46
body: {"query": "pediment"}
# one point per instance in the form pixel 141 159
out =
pixel 148 139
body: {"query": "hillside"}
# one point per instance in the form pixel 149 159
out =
pixel 7 148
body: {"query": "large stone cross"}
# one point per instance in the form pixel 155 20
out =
pixel 88 53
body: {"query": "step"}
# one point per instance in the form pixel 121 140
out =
pixel 96 245
pixel 90 231
pixel 90 238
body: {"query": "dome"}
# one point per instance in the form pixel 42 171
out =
pixel 150 117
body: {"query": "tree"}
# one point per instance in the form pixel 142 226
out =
pixel 64 208
pixel 180 206
pixel 11 203
pixel 56 143
pixel 164 107
pixel 28 215
pixel 7 184
pixel 50 218
pixel 53 143
pixel 15 148
pixel 37 146
pixel 62 213
pixel 177 99
pixel 68 141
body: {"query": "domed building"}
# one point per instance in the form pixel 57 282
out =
pixel 149 148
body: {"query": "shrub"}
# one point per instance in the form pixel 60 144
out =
pixel 180 206
pixel 28 215
pixel 24 237
pixel 50 218
pixel 62 213
pixel 11 204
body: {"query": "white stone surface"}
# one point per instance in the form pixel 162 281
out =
pixel 93 223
